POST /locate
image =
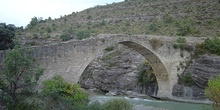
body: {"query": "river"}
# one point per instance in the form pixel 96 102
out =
pixel 147 104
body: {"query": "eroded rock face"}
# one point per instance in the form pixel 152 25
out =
pixel 187 92
pixel 114 72
pixel 202 69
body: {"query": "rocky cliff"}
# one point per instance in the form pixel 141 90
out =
pixel 193 81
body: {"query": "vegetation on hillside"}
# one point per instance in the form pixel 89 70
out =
pixel 173 18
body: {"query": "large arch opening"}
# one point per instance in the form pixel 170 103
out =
pixel 157 65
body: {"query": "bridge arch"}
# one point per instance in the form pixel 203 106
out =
pixel 69 59
pixel 144 48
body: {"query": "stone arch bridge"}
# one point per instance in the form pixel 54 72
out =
pixel 69 59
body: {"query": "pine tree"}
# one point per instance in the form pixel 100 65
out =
pixel 18 79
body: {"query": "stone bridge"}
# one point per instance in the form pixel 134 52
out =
pixel 69 59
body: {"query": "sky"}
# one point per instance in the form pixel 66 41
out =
pixel 20 12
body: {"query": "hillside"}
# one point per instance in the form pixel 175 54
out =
pixel 159 17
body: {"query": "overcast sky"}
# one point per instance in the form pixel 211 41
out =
pixel 20 12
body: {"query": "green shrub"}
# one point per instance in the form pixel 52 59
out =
pixel 209 46
pixel 35 36
pixel 110 48
pixel 61 95
pixel 184 30
pixel 186 79
pixel 167 19
pixel 181 44
pixel 213 45
pixel 65 37
pixel 153 26
pixel 33 43
pixel 186 27
pixel 213 92
pixel 89 17
pixel 82 34
pixel 48 30
pixel 181 40
pixel 117 104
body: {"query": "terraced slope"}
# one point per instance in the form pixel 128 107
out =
pixel 159 17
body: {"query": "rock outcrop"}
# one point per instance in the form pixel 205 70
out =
pixel 200 71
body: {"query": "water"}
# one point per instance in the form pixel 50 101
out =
pixel 169 105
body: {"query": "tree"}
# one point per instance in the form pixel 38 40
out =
pixel 18 79
pixel 213 92
pixel 63 96
pixel 49 19
pixel 7 33
pixel 34 21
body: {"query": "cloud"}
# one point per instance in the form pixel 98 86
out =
pixel 20 12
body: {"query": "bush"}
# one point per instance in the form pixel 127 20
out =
pixel 181 40
pixel 153 27
pixel 184 30
pixel 82 34
pixel 48 30
pixel 167 19
pixel 65 37
pixel 181 44
pixel 186 27
pixel 117 104
pixel 110 48
pixel 209 46
pixel 213 92
pixel 186 79
pixel 213 45
pixel 62 95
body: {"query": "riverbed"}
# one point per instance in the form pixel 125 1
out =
pixel 150 104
